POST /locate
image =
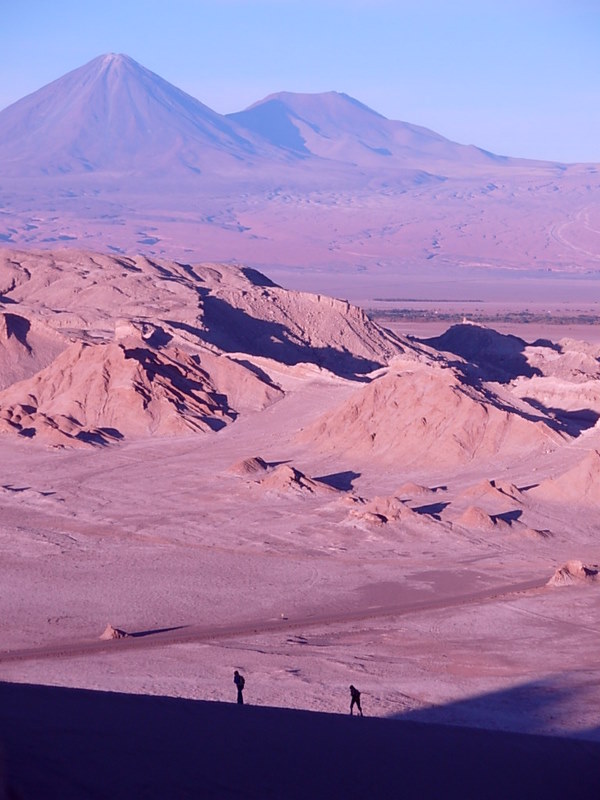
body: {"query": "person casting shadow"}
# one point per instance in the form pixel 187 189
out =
pixel 240 682
pixel 355 701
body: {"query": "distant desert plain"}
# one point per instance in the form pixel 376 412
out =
pixel 210 464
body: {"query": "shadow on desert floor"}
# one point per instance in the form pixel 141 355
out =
pixel 152 631
pixel 76 744
pixel 550 706
pixel 344 481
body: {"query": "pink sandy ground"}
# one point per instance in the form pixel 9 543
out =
pixel 158 535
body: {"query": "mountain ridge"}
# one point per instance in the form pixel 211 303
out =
pixel 111 157
pixel 337 126
pixel 113 113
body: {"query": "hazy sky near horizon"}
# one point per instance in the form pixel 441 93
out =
pixel 517 78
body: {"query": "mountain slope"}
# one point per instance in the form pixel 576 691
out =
pixel 98 348
pixel 229 308
pixel 97 393
pixel 114 114
pixel 336 126
pixel 25 347
pixel 418 414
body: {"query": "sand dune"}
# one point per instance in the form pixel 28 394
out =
pixel 182 744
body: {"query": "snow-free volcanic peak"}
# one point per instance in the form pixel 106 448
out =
pixel 114 158
pixel 114 114
pixel 336 126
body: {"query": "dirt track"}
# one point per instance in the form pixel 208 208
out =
pixel 194 633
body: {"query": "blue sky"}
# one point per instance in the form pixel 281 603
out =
pixel 517 78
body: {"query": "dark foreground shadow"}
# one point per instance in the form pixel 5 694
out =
pixel 76 744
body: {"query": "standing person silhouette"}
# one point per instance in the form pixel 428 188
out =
pixel 355 701
pixel 240 682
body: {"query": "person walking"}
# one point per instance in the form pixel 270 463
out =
pixel 355 700
pixel 240 683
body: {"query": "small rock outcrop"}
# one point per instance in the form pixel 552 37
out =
pixel 249 467
pixel 286 478
pixel 574 571
pixel 113 633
